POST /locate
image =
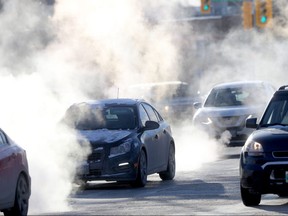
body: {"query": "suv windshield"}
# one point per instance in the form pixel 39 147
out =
pixel 85 117
pixel 276 113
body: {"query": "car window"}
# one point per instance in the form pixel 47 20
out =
pixel 2 139
pixel 151 112
pixel 236 96
pixel 276 113
pixel 221 98
pixel 143 115
pixel 120 118
pixel 99 117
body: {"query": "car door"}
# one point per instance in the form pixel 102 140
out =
pixel 7 172
pixel 157 148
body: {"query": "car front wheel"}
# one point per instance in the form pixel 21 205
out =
pixel 141 179
pixel 248 198
pixel 21 198
pixel 170 172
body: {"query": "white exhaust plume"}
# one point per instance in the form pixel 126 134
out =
pixel 53 56
pixel 194 148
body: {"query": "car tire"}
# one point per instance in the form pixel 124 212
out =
pixel 141 178
pixel 169 174
pixel 248 198
pixel 21 203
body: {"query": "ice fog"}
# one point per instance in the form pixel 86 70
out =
pixel 55 55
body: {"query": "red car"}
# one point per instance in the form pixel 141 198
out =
pixel 15 181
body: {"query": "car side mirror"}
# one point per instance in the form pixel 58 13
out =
pixel 197 105
pixel 151 125
pixel 251 123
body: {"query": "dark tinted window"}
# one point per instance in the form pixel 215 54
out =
pixel 276 112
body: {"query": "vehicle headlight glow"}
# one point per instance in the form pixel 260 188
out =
pixel 121 149
pixel 253 148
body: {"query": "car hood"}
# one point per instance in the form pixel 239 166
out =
pixel 275 137
pixel 104 135
pixel 230 111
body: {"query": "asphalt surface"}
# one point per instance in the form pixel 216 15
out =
pixel 213 189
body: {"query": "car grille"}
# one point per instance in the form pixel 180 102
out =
pixel 280 154
pixel 96 155
pixel 95 160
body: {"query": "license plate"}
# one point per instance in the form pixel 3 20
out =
pixel 286 176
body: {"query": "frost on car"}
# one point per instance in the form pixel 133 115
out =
pixel 129 140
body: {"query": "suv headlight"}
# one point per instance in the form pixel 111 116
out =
pixel 253 148
pixel 121 149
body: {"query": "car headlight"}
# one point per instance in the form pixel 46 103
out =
pixel 121 149
pixel 203 120
pixel 253 148
pixel 206 121
pixel 166 108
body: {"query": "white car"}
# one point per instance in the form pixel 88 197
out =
pixel 227 107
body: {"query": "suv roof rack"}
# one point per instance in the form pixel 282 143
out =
pixel 283 87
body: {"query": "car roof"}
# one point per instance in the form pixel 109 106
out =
pixel 115 101
pixel 239 83
pixel 283 90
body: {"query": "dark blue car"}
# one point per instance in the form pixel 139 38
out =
pixel 128 138
pixel 264 157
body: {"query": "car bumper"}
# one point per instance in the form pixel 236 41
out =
pixel 265 177
pixel 237 135
pixel 119 168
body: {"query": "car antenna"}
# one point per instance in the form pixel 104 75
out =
pixel 118 93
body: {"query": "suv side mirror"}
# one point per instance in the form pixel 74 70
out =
pixel 251 123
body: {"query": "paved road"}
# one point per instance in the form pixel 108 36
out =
pixel 211 190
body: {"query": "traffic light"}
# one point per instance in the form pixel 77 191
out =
pixel 247 21
pixel 263 13
pixel 205 6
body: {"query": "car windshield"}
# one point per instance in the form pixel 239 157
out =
pixel 276 113
pixel 85 117
pixel 235 96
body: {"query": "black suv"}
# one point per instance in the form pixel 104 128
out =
pixel 264 157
